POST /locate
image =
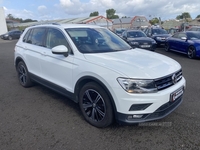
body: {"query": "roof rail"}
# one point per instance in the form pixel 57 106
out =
pixel 46 23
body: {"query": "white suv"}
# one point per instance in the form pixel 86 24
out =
pixel 97 69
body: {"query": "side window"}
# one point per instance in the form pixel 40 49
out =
pixel 55 38
pixel 181 35
pixel 25 38
pixel 148 32
pixel 37 36
pixel 175 35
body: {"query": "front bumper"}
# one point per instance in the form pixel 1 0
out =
pixel 136 108
pixel 152 47
pixel 160 113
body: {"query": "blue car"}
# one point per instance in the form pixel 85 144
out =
pixel 184 42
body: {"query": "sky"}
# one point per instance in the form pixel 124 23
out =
pixel 63 9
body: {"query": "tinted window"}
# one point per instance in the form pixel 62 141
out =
pixel 37 36
pixel 135 34
pixel 175 35
pixel 55 38
pixel 25 38
pixel 180 35
pixel 193 36
pixel 159 31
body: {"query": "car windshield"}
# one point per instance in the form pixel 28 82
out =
pixel 135 34
pixel 193 35
pixel 96 40
pixel 159 31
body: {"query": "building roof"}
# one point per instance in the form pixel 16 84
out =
pixel 122 20
pixel 171 24
pixel 98 20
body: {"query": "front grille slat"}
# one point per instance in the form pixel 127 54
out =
pixel 165 82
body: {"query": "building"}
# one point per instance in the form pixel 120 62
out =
pixel 96 20
pixel 136 22
pixel 3 26
pixel 168 24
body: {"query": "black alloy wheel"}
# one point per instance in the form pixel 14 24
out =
pixel 95 105
pixel 23 75
pixel 191 52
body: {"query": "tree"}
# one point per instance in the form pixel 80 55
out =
pixel 10 16
pixel 110 14
pixel 184 15
pixel 198 16
pixel 29 20
pixel 96 13
pixel 154 21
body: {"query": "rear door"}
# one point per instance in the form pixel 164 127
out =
pixel 33 47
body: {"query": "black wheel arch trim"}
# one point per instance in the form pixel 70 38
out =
pixel 85 79
pixel 17 60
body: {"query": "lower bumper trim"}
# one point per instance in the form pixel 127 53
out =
pixel 160 113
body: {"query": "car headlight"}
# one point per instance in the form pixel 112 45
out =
pixel 134 43
pixel 158 38
pixel 6 35
pixel 137 85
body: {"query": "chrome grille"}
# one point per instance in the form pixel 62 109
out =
pixel 167 81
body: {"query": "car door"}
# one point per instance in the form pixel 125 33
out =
pixel 15 34
pixel 32 46
pixel 182 42
pixel 173 41
pixel 57 68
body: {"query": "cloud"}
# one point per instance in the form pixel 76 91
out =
pixel 166 9
pixel 25 14
pixel 42 10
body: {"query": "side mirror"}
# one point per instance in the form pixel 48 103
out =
pixel 183 38
pixel 60 49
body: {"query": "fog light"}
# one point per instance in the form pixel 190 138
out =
pixel 137 116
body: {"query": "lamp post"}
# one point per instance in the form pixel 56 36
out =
pixel 120 22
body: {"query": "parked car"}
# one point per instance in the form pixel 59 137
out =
pixel 137 38
pixel 158 34
pixel 185 42
pixel 97 69
pixel 11 35
pixel 194 28
pixel 119 31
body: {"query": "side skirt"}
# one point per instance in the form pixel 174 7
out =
pixel 53 87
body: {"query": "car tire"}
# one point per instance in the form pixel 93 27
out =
pixel 167 47
pixel 191 52
pixel 10 38
pixel 95 105
pixel 23 75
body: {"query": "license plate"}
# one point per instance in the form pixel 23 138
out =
pixel 175 95
pixel 145 46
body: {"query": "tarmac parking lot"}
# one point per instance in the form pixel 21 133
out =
pixel 38 118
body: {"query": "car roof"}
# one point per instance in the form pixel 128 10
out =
pixel 195 27
pixel 67 26
pixel 134 31
pixel 191 31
